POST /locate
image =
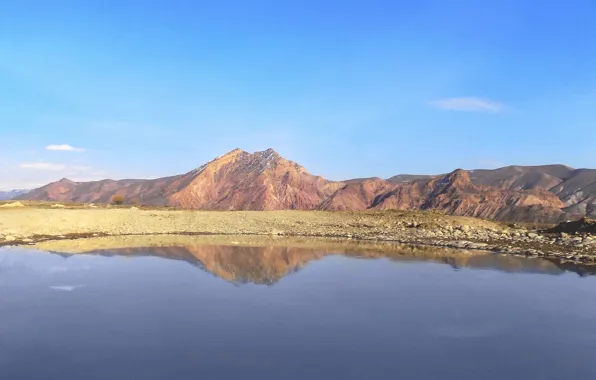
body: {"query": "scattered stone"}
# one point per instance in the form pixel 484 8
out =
pixel 58 205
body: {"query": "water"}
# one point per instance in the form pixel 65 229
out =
pixel 228 312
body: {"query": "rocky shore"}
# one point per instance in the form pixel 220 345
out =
pixel 31 224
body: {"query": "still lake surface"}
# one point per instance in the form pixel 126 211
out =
pixel 216 312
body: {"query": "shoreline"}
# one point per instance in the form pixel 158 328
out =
pixel 30 225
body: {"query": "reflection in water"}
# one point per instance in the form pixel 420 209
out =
pixel 267 261
pixel 352 312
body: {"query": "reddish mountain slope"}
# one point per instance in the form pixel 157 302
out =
pixel 357 195
pixel 237 180
pixel 454 194
pixel 244 181
pixel 65 190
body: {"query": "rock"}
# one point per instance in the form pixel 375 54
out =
pixel 583 225
pixel 58 205
pixel 465 228
pixel 10 238
pixel 134 208
pixel 13 205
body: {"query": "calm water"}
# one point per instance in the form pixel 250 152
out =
pixel 281 313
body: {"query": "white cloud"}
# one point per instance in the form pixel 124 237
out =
pixel 64 148
pixel 44 166
pixel 468 104
pixel 33 174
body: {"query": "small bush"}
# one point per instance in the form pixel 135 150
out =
pixel 117 199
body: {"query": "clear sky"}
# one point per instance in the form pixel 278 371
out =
pixel 95 89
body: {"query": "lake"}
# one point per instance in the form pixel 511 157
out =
pixel 230 311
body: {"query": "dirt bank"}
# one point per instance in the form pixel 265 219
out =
pixel 26 225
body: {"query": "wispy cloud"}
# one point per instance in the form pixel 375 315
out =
pixel 468 104
pixel 65 148
pixel 53 167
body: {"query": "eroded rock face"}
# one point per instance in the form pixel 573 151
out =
pixel 575 187
pixel 453 194
pixel 357 196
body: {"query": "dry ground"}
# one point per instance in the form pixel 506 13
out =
pixel 36 222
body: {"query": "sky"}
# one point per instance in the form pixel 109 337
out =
pixel 143 89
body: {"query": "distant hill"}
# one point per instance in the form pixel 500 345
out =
pixel 401 178
pixel 264 180
pixel 10 194
pixel 575 187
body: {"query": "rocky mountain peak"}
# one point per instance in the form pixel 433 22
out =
pixel 257 162
pixel 456 179
pixel 459 177
pixel 233 152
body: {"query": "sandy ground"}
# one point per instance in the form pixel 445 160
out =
pixel 30 224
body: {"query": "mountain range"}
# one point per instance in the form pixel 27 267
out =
pixel 10 194
pixel 264 180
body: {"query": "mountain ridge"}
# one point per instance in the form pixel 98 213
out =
pixel 6 195
pixel 264 180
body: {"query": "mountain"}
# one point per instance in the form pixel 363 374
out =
pixel 401 178
pixel 10 194
pixel 65 190
pixel 453 193
pixel 575 187
pixel 237 180
pixel 264 180
pixel 244 181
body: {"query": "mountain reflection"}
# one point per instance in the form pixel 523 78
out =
pixel 268 260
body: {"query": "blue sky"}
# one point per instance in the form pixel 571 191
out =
pixel 345 88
